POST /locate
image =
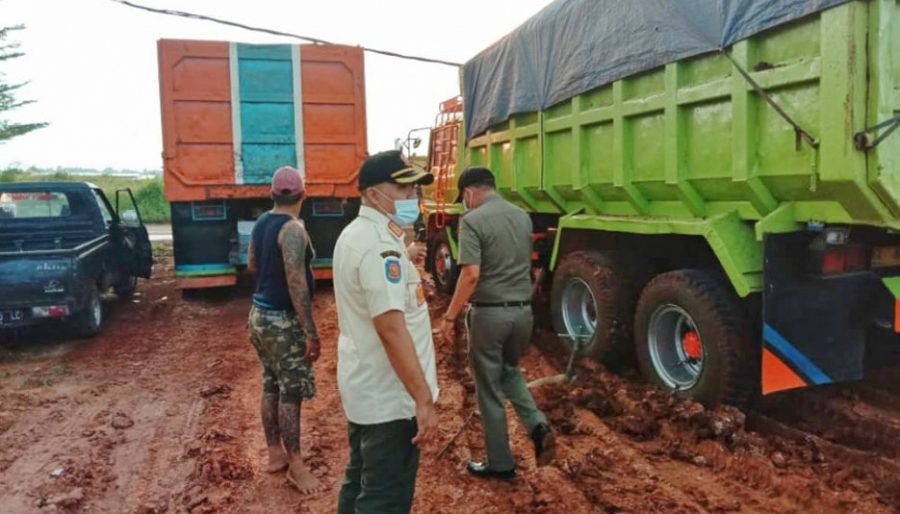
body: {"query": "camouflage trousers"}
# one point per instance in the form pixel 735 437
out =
pixel 280 342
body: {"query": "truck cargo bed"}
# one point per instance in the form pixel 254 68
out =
pixel 694 139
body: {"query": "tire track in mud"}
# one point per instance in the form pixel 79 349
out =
pixel 833 453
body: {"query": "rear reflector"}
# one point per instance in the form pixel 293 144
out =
pixel 833 261
pixel 52 311
pixel 886 257
pixel 844 259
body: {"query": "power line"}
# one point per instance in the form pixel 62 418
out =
pixel 194 16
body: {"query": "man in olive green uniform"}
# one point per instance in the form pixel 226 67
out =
pixel 495 279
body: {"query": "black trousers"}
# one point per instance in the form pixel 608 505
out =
pixel 381 475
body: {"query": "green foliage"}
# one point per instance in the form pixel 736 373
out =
pixel 8 101
pixel 11 175
pixel 152 201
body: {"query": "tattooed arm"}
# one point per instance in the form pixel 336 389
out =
pixel 294 241
pixel 251 258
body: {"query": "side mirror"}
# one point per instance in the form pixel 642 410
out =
pixel 130 217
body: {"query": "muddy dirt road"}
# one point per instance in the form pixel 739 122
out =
pixel 159 414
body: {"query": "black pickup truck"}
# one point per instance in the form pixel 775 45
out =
pixel 62 244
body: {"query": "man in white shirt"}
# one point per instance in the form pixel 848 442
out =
pixel 386 365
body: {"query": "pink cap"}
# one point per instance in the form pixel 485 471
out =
pixel 287 182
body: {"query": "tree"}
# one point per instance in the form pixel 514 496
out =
pixel 8 102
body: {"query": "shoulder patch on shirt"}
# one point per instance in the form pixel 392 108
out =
pixel 390 253
pixel 395 229
pixel 392 270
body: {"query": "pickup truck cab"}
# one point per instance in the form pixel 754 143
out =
pixel 62 244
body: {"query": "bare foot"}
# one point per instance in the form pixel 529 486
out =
pixel 303 479
pixel 278 460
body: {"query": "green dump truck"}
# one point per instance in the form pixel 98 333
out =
pixel 714 185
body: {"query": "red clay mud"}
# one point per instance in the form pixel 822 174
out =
pixel 160 414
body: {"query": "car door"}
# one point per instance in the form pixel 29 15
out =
pixel 134 231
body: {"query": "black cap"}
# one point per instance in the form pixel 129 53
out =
pixel 390 166
pixel 476 176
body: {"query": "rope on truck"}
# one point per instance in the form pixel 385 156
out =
pixel 802 134
pixel 862 141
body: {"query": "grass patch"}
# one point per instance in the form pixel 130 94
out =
pixel 32 382
pixel 152 201
pixel 163 249
pixel 46 378
pixel 148 193
pixel 61 369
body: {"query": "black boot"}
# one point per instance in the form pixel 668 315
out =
pixel 480 469
pixel 544 444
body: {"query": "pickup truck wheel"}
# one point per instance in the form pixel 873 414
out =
pixel 692 338
pixel 87 323
pixel 441 264
pixel 126 288
pixel 592 297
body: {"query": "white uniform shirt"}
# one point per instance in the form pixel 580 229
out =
pixel 373 275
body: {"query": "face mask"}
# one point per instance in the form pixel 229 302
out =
pixel 406 211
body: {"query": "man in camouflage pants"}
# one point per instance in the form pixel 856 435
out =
pixel 281 326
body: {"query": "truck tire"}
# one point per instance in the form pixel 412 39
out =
pixel 88 321
pixel 691 337
pixel 126 288
pixel 593 297
pixel 441 264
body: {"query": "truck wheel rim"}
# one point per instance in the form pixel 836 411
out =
pixel 670 326
pixel 443 263
pixel 579 311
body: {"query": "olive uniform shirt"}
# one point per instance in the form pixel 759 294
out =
pixel 497 237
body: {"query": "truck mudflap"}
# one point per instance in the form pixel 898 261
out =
pixel 816 328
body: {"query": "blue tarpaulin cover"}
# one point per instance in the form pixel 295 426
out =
pixel 573 46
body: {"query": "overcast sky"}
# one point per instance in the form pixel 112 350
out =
pixel 92 65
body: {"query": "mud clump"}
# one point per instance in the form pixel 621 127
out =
pixel 640 428
pixel 68 501
pixel 723 423
pixel 152 508
pixel 121 421
pixel 215 390
pixel 779 460
pixel 217 435
pixel 194 498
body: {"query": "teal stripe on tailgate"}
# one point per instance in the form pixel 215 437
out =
pixel 267 110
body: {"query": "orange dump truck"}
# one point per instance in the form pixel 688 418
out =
pixel 232 114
